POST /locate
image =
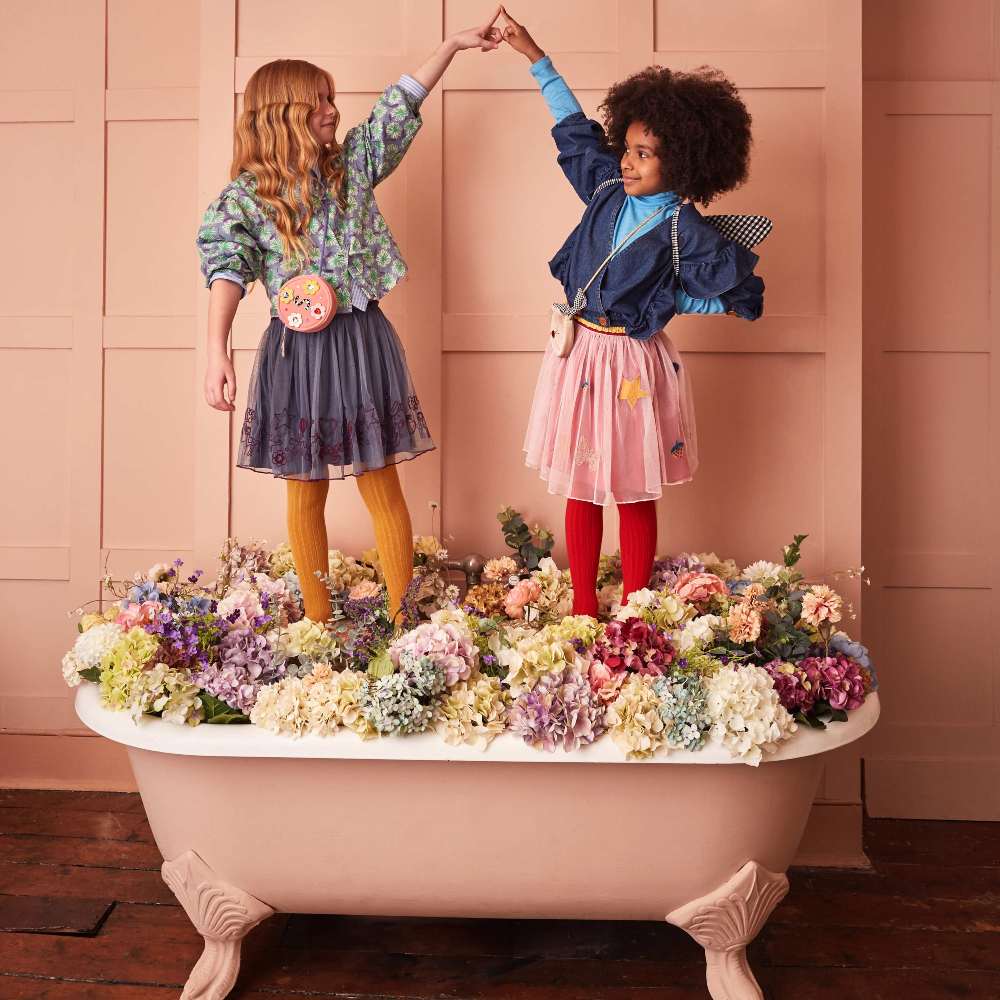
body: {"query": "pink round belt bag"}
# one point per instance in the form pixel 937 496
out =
pixel 306 303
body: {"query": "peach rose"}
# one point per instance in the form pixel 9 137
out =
pixel 366 588
pixel 698 588
pixel 522 593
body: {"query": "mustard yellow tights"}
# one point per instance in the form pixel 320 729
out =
pixel 307 537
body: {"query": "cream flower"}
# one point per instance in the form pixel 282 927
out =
pixel 308 639
pixel 281 561
pixel 656 607
pixel 762 570
pixel 532 654
pixel 634 719
pixel 499 570
pixel 345 571
pixel 698 631
pixel 724 568
pixel 473 712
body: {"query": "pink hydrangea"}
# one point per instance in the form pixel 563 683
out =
pixel 522 593
pixel 449 645
pixel 630 646
pixel 698 588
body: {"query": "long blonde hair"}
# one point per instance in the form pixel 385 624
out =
pixel 273 141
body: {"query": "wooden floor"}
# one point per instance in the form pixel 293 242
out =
pixel 80 869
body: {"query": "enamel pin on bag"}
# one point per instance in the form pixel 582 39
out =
pixel 306 303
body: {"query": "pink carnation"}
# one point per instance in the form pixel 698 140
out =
pixel 522 593
pixel 138 614
pixel 698 588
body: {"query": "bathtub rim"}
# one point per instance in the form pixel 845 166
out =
pixel 251 741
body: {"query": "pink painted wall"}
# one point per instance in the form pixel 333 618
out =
pixel 120 139
pixel 931 433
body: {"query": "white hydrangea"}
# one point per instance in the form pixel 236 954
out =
pixel 747 717
pixel 698 631
pixel 89 649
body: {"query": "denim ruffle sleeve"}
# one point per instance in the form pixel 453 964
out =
pixel 226 243
pixel 711 265
pixel 584 155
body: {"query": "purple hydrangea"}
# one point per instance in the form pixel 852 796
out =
pixel 667 570
pixel 246 664
pixel 560 709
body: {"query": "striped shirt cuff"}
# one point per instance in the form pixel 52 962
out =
pixel 229 276
pixel 413 87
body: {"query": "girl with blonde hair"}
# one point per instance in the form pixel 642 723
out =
pixel 330 395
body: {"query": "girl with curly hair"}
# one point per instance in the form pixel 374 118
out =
pixel 613 421
pixel 299 215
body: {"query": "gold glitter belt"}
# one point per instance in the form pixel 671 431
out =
pixel 599 328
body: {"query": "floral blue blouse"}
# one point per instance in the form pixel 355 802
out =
pixel 353 249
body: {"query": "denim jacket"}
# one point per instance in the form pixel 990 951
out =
pixel 238 241
pixel 637 289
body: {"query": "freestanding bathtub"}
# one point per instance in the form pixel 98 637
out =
pixel 690 837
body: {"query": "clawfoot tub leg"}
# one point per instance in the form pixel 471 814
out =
pixel 725 921
pixel 222 914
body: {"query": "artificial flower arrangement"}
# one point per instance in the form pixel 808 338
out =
pixel 708 653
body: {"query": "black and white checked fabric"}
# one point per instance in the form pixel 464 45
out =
pixel 749 230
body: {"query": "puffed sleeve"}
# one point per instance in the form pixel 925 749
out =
pixel 376 146
pixel 584 155
pixel 711 265
pixel 226 243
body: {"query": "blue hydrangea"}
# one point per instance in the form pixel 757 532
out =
pixel 684 707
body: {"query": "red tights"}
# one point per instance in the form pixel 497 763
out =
pixel 584 530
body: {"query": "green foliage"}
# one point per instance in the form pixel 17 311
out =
pixel 530 545
pixel 381 665
pixel 218 713
pixel 792 553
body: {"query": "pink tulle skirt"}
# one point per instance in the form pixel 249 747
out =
pixel 613 422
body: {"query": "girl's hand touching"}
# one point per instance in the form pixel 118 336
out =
pixel 517 37
pixel 485 38
pixel 220 381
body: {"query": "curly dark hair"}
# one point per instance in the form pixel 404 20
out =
pixel 699 120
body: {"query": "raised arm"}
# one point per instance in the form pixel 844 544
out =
pixel 377 145
pixel 584 155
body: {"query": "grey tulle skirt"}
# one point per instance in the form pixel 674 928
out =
pixel 338 403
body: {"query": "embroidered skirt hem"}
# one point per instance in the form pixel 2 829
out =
pixel 339 402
